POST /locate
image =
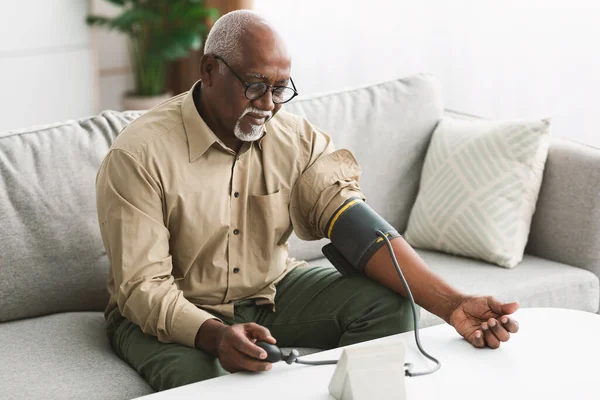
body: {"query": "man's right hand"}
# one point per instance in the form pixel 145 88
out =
pixel 234 345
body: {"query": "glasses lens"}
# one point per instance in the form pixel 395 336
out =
pixel 256 90
pixel 282 94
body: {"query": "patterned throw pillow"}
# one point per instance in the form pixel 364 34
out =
pixel 479 187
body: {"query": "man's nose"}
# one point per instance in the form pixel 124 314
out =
pixel 265 102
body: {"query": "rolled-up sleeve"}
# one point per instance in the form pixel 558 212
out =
pixel 329 179
pixel 130 213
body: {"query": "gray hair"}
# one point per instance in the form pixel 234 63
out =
pixel 225 36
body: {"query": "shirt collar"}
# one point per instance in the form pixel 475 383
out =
pixel 264 135
pixel 260 141
pixel 200 137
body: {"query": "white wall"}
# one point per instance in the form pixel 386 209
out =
pixel 113 69
pixel 46 71
pixel 495 58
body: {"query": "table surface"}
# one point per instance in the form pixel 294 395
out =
pixel 553 356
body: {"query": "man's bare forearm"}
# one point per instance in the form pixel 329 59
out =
pixel 429 290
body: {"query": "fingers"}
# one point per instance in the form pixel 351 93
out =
pixel 259 332
pixel 477 339
pixel 246 363
pixel 494 332
pixel 247 347
pixel 510 324
pixel 498 330
pixel 510 308
pixel 490 339
pixel 237 352
pixel 502 308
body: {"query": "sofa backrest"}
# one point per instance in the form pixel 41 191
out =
pixel 51 254
pixel 566 223
pixel 388 128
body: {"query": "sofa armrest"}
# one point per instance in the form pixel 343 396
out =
pixel 566 224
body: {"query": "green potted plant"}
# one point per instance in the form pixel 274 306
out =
pixel 159 32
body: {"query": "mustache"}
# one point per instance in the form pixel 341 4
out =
pixel 263 114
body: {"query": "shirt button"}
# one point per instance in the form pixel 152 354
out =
pixel 236 270
pixel 236 231
pixel 237 194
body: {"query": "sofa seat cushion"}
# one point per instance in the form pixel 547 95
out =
pixel 64 356
pixel 536 282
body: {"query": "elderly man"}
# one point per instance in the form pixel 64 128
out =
pixel 196 201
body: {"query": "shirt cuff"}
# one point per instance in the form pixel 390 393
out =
pixel 188 323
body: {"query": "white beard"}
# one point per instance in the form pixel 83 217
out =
pixel 255 130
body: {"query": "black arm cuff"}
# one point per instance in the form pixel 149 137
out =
pixel 353 232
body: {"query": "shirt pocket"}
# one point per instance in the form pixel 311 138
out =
pixel 270 223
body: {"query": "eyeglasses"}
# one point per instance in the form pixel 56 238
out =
pixel 256 90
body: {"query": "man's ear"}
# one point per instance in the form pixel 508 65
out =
pixel 208 68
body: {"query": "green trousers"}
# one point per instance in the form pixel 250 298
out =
pixel 315 307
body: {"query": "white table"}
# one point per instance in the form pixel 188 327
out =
pixel 555 355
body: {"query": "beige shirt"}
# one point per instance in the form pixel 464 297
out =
pixel 190 226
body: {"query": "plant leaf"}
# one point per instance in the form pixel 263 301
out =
pixel 191 13
pixel 96 20
pixel 129 18
pixel 117 2
pixel 175 45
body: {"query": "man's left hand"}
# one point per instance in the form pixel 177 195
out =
pixel 484 321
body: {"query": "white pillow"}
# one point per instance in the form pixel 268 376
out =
pixel 479 187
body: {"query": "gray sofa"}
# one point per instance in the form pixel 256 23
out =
pixel 53 266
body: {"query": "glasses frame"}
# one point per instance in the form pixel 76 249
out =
pixel 269 87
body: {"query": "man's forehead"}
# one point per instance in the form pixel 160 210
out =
pixel 256 75
pixel 265 73
pixel 264 54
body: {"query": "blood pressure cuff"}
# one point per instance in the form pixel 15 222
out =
pixel 353 233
